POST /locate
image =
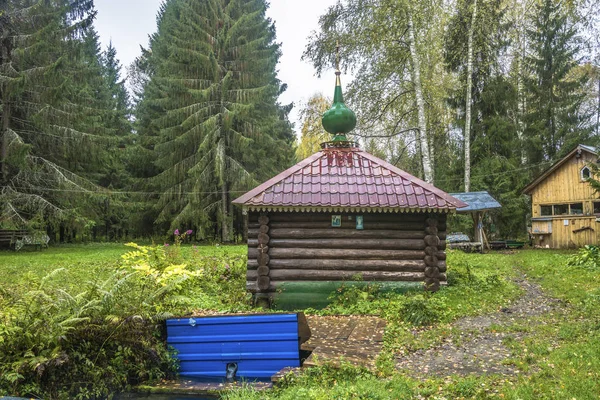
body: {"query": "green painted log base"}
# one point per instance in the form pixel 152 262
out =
pixel 302 295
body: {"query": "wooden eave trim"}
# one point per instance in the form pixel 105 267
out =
pixel 529 188
pixel 258 208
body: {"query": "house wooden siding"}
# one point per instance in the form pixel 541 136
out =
pixel 299 246
pixel 564 186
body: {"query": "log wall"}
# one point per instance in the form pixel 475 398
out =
pixel 285 247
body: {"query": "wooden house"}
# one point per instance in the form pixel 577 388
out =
pixel 343 214
pixel 565 209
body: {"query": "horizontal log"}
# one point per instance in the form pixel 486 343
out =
pixel 442 266
pixel 431 261
pixel 263 271
pixel 253 288
pixel 263 258
pixel 253 225
pixel 263 238
pixel 433 222
pixel 253 251
pixel 431 272
pixel 320 275
pixel 368 217
pixel 441 255
pixel 344 234
pixel 253 233
pixel 393 244
pixel 432 240
pixel 304 253
pixel 263 282
pixel 252 264
pixel 442 245
pixel 431 230
pixel 351 225
pixel 350 265
pixel 442 235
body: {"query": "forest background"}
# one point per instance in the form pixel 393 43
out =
pixel 467 94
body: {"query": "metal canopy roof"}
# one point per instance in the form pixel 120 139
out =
pixel 476 201
pixel 347 179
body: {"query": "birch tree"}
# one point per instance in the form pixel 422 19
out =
pixel 382 43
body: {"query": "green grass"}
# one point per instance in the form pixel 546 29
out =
pixel 82 262
pixel 559 358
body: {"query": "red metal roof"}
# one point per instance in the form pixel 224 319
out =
pixel 347 178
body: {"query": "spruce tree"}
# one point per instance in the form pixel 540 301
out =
pixel 209 110
pixel 555 120
pixel 56 144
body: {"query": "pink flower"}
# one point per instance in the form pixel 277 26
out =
pixel 176 232
pixel 189 232
pixel 166 244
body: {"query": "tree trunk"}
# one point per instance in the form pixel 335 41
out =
pixel 4 144
pixel 520 91
pixel 225 220
pixel 416 78
pixel 468 102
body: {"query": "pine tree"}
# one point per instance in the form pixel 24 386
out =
pixel 211 106
pixel 555 120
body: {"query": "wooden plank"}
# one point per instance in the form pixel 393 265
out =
pixel 306 253
pixel 348 265
pixel 368 217
pixel 321 275
pixel 351 225
pixel 393 244
pixel 333 233
pixel 366 330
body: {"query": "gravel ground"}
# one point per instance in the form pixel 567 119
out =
pixel 478 350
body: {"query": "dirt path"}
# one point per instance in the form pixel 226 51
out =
pixel 478 349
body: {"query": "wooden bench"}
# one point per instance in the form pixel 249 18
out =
pixel 8 237
pixel 18 238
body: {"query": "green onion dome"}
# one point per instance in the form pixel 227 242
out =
pixel 339 119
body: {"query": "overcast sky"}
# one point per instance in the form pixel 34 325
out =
pixel 129 22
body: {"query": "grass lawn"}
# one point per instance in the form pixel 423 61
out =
pixel 556 354
pixel 82 262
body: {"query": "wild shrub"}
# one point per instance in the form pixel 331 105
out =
pixel 59 345
pixel 107 335
pixel 587 257
pixel 423 309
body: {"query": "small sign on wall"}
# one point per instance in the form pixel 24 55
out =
pixel 565 222
pixel 359 222
pixel 336 221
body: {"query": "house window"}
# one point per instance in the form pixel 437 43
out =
pixel 585 173
pixel 576 208
pixel 547 210
pixel 597 207
pixel 561 209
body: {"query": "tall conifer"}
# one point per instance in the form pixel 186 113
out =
pixel 211 105
pixel 555 120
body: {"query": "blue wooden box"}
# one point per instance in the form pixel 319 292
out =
pixel 259 345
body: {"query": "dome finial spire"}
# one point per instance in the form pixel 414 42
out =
pixel 339 119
